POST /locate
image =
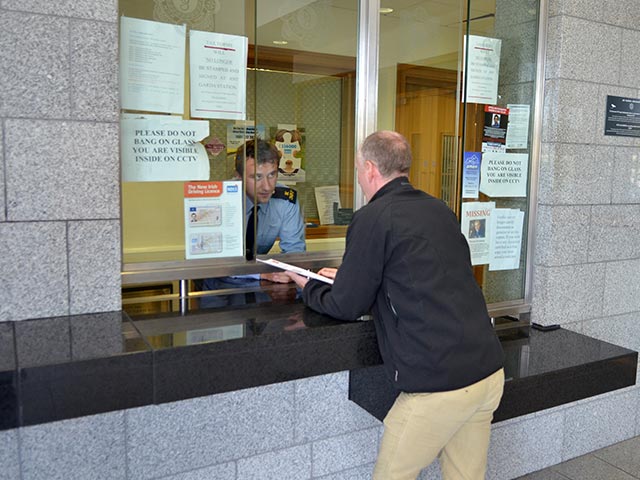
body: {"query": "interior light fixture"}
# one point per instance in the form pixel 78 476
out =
pixel 385 10
pixel 280 42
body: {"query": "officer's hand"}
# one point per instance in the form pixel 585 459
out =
pixel 276 277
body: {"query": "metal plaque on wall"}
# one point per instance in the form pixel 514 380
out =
pixel 623 117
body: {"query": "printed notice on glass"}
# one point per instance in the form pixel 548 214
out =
pixel 504 174
pixel 241 132
pixel 325 198
pixel 162 148
pixel 213 219
pixel 518 126
pixel 483 69
pixel 152 57
pixel 471 174
pixel 218 68
pixel 506 230
pixel 494 131
pixel 476 227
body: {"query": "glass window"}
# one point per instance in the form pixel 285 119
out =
pixel 457 78
pixel 299 96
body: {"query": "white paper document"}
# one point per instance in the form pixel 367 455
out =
pixel 518 128
pixel 298 270
pixel 483 69
pixel 152 58
pixel 218 67
pixel 325 198
pixel 504 174
pixel 476 227
pixel 163 148
pixel 506 229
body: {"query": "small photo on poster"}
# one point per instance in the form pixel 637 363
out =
pixel 205 243
pixel 477 228
pixel 205 215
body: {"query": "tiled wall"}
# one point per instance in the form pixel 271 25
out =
pixel 59 168
pixel 587 257
pixel 60 254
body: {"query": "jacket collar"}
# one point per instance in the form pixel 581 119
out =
pixel 394 184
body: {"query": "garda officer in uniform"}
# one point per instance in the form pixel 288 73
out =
pixel 278 217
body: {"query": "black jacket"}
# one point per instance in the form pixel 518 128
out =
pixel 407 262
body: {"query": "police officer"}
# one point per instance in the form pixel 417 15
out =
pixel 278 217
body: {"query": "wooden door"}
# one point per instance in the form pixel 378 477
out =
pixel 426 116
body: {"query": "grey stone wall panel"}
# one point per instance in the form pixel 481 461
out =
pixel 568 293
pixel 106 10
pixel 575 174
pixel 289 464
pixel 601 422
pixel 178 437
pixel 94 71
pixel 622 287
pixel 84 448
pixel 344 452
pixel 9 458
pixel 323 408
pixel 626 175
pixel 589 9
pixel 94 266
pixel 225 471
pixel 623 13
pixel 61 170
pixel 37 84
pixel 568 112
pixel 33 262
pixel 630 65
pixel 614 233
pixel 3 212
pixel 541 437
pixel 584 50
pixel 562 236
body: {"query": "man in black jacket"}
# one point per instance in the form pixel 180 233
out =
pixel 407 262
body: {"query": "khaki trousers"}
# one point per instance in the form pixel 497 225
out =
pixel 453 425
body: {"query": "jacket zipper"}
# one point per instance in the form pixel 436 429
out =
pixel 395 316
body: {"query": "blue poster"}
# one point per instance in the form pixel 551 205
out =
pixel 471 174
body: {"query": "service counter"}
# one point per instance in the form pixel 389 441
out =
pixel 65 367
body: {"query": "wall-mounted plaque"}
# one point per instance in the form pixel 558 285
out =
pixel 623 117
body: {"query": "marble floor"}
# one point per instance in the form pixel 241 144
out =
pixel 620 461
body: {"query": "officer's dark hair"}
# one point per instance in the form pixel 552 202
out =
pixel 267 153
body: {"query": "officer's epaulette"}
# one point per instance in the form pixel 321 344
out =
pixel 286 193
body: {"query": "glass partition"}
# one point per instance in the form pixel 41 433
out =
pixel 298 93
pixel 456 77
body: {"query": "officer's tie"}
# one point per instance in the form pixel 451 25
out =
pixel 250 238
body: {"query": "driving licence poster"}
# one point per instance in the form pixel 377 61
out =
pixel 213 219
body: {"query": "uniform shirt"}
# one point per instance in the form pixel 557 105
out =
pixel 279 218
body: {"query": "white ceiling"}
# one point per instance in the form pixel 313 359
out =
pixel 418 29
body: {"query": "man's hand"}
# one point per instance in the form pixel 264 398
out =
pixel 328 272
pixel 299 279
pixel 276 277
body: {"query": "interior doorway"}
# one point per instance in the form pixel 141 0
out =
pixel 426 109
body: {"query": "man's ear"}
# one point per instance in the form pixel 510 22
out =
pixel 370 168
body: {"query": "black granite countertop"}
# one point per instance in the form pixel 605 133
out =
pixel 65 367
